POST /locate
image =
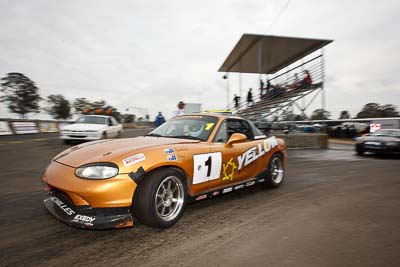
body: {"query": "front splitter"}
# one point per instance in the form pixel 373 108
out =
pixel 86 216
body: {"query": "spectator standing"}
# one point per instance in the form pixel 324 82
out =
pixel 181 109
pixel 249 98
pixel 267 87
pixel 261 88
pixel 159 119
pixel 236 99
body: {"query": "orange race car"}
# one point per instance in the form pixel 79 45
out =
pixel 101 184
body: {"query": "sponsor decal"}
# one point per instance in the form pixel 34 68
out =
pixel 209 126
pixel 83 218
pixel 239 186
pixel 62 206
pixel 169 151
pixel 201 197
pixel 256 152
pixel 215 193
pixel 227 190
pixel 134 159
pixel 172 158
pixel 250 183
pixel 228 170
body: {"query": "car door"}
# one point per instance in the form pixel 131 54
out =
pixel 238 158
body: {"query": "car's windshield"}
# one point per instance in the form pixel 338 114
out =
pixel 92 120
pixel 386 133
pixel 198 127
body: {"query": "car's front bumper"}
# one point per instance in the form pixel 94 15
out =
pixel 378 148
pixel 80 135
pixel 61 207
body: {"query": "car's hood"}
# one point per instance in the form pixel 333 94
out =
pixel 107 150
pixel 84 127
pixel 380 138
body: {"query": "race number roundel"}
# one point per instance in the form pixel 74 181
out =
pixel 206 167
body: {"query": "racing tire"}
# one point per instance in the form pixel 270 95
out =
pixel 275 172
pixel 359 151
pixel 160 199
pixel 104 135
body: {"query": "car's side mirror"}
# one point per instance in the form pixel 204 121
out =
pixel 236 138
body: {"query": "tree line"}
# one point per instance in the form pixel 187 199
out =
pixel 21 96
pixel 370 110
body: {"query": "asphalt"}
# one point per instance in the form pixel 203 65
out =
pixel 334 209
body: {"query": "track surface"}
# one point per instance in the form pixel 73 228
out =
pixel 334 209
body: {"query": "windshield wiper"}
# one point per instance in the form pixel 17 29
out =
pixel 154 134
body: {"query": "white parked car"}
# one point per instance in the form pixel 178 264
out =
pixel 92 127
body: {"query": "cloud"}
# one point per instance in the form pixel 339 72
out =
pixel 137 54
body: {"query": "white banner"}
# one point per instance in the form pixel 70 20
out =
pixel 48 127
pixel 4 128
pixel 24 127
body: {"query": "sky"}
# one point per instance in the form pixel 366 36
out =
pixel 152 54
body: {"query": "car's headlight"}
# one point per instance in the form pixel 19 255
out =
pixel 391 144
pixel 97 171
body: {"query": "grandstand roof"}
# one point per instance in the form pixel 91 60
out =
pixel 275 52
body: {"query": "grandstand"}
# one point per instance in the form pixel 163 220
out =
pixel 279 58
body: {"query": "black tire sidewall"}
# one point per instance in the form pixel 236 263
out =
pixel 269 181
pixel 144 206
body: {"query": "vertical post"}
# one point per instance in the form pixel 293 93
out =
pixel 260 63
pixel 323 99
pixel 227 91
pixel 240 90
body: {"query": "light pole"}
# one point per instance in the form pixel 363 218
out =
pixel 226 77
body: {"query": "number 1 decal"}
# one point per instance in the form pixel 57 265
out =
pixel 208 164
pixel 206 167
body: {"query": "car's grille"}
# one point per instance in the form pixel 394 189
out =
pixel 373 144
pixel 78 136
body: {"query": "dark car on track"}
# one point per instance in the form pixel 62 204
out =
pixel 383 141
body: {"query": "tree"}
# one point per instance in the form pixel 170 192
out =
pixel 374 110
pixel 81 104
pixel 344 115
pixel 129 118
pixel 370 110
pixel 320 114
pixel 389 111
pixel 20 93
pixel 59 107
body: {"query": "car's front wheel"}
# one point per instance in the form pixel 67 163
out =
pixel 359 151
pixel 276 171
pixel 160 198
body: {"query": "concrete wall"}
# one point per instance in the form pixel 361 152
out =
pixel 305 140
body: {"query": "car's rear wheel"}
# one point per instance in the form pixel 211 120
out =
pixel 276 171
pixel 160 198
pixel 104 135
